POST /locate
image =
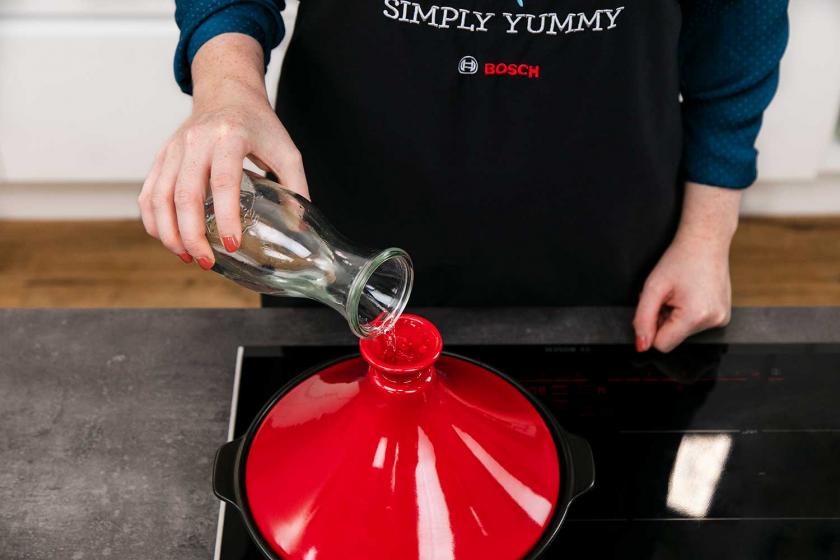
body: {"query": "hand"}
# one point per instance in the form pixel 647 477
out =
pixel 232 119
pixel 689 290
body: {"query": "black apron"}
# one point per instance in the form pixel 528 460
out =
pixel 528 157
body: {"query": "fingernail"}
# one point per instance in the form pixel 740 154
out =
pixel 185 257
pixel 641 343
pixel 230 243
pixel 205 263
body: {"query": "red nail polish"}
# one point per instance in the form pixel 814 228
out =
pixel 185 257
pixel 230 243
pixel 641 344
pixel 205 263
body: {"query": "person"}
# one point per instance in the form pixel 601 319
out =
pixel 523 152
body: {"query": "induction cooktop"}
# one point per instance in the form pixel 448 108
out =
pixel 712 451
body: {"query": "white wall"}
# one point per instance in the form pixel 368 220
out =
pixel 799 158
pixel 86 88
pixel 87 96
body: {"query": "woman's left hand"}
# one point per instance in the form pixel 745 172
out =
pixel 689 290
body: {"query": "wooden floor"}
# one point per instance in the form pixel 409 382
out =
pixel 114 264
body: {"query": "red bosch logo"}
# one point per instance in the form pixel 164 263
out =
pixel 505 69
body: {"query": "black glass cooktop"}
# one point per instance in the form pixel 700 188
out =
pixel 710 452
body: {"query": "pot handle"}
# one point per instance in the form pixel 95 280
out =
pixel 224 471
pixel 583 465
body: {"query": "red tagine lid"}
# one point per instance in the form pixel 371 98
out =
pixel 401 454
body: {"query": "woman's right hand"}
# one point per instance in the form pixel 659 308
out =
pixel 232 119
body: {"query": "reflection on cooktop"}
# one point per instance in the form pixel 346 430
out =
pixel 711 451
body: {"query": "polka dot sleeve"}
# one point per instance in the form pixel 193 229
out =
pixel 201 20
pixel 729 70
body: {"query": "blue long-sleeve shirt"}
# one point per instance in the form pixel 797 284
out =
pixel 729 67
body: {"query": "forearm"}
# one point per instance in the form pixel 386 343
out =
pixel 201 21
pixel 729 70
pixel 228 64
pixel 709 216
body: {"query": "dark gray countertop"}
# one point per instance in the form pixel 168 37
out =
pixel 109 419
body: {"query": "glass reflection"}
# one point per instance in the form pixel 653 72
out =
pixel 537 507
pixel 379 456
pixel 434 529
pixel 478 521
pixel 288 533
pixel 697 470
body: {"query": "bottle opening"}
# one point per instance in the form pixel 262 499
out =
pixel 412 345
pixel 380 293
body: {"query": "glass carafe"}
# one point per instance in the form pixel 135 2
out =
pixel 289 249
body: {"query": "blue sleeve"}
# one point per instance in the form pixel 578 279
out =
pixel 729 70
pixel 201 20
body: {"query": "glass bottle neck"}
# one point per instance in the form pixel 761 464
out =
pixel 379 293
